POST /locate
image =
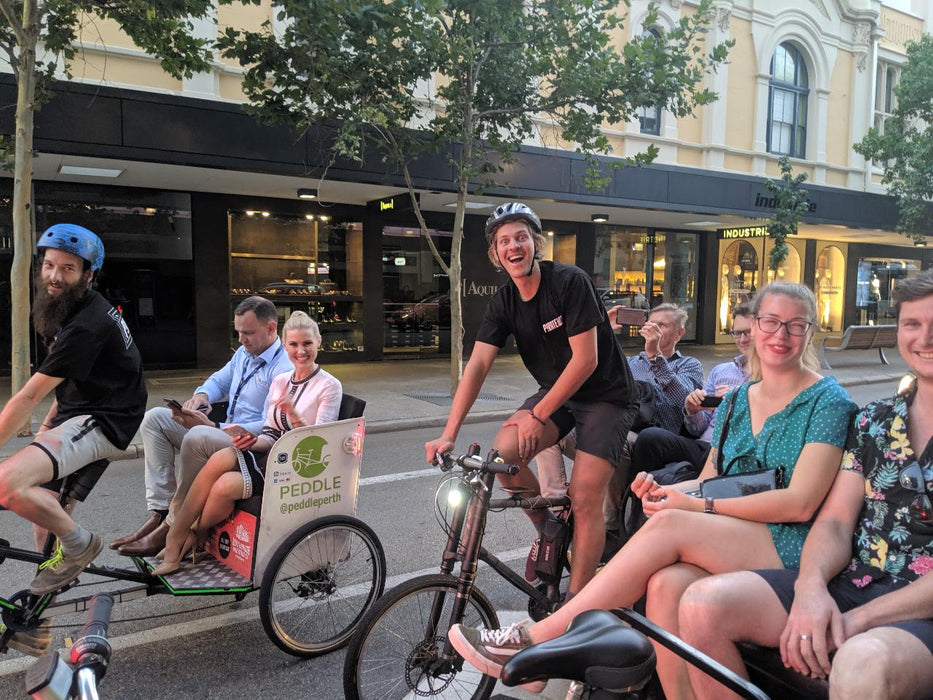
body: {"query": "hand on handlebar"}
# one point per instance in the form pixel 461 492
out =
pixel 433 447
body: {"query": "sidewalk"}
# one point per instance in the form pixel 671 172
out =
pixel 407 394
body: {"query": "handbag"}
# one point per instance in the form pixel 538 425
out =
pixel 732 485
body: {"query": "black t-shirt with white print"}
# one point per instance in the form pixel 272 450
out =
pixel 565 305
pixel 95 354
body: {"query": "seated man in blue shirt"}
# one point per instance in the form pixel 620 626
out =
pixel 656 447
pixel 245 382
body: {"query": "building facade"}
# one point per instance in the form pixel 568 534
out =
pixel 198 205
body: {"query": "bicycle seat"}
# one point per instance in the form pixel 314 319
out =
pixel 597 649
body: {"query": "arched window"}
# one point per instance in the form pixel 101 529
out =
pixel 787 102
pixel 649 118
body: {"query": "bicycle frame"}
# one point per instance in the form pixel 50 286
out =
pixel 467 526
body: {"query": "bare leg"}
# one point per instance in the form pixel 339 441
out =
pixel 20 492
pixel 719 611
pixel 588 483
pixel 225 492
pixel 506 442
pixel 716 543
pixel 220 463
pixel 665 590
pixel 40 534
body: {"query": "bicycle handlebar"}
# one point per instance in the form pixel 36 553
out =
pixel 90 653
pixel 493 466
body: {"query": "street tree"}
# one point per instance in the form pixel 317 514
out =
pixel 472 79
pixel 903 145
pixel 791 204
pixel 40 39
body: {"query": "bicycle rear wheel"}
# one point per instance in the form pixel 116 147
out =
pixel 397 650
pixel 319 583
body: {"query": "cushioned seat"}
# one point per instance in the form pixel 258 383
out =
pixel 597 649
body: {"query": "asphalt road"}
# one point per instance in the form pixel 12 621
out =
pixel 209 647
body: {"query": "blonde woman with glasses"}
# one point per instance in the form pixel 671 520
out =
pixel 788 416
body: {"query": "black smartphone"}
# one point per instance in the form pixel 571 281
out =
pixel 711 401
pixel 631 317
pixel 171 403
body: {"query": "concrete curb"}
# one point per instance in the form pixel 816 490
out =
pixel 135 449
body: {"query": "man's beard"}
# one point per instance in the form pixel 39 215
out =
pixel 49 311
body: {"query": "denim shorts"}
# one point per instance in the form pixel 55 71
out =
pixel 602 427
pixel 848 597
pixel 74 444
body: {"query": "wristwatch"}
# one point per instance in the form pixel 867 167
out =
pixel 710 505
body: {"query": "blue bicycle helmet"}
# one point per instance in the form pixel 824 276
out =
pixel 513 211
pixel 76 240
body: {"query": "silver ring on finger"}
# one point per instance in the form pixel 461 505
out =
pixel 804 637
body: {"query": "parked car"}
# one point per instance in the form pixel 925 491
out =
pixel 631 299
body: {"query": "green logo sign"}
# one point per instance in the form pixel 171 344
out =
pixel 308 458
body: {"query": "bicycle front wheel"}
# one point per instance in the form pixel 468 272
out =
pixel 319 584
pixel 397 651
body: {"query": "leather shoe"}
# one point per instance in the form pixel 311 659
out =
pixel 149 524
pixel 148 545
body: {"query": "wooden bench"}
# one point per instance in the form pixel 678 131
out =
pixel 862 338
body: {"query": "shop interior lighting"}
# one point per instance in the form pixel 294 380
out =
pixel 549 233
pixel 324 217
pixel 307 193
pixel 599 218
pixel 265 213
pixel 89 172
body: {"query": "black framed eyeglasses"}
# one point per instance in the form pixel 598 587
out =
pixel 796 326
pixel 918 479
pixel 740 334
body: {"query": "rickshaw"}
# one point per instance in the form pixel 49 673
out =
pixel 318 568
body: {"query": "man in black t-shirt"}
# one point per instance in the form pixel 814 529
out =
pixel 95 369
pixel 563 336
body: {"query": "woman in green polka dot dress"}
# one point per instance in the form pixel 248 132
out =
pixel 787 416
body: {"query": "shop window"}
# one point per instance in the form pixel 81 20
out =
pixel 148 272
pixel 790 268
pixel 738 280
pixel 641 269
pixel 875 281
pixel 416 293
pixel 304 263
pixel 828 287
pixel 788 93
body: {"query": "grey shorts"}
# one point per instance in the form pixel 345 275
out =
pixel 602 427
pixel 847 597
pixel 74 444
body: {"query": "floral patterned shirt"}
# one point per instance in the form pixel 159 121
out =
pixel 883 544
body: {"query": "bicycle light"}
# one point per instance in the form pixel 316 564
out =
pixel 454 497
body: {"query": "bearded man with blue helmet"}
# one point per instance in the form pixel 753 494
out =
pixel 95 370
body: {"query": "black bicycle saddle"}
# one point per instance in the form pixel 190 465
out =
pixel 597 649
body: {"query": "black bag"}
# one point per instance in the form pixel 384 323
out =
pixel 552 548
pixel 647 399
pixel 732 485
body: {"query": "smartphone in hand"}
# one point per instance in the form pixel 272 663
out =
pixel 711 401
pixel 172 403
pixel 631 317
pixel 235 430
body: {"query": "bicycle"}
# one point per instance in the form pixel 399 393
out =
pixel 318 569
pixel 401 648
pixel 607 656
pixel 50 678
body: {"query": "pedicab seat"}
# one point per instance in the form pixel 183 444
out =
pixel 597 649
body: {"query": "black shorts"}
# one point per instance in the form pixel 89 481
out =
pixel 602 427
pixel 848 597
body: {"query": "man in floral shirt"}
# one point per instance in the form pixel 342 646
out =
pixel 860 609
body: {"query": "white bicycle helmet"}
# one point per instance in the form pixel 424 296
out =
pixel 512 211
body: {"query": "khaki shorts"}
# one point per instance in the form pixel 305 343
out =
pixel 74 444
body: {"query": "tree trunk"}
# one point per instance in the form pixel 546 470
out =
pixel 456 296
pixel 22 202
